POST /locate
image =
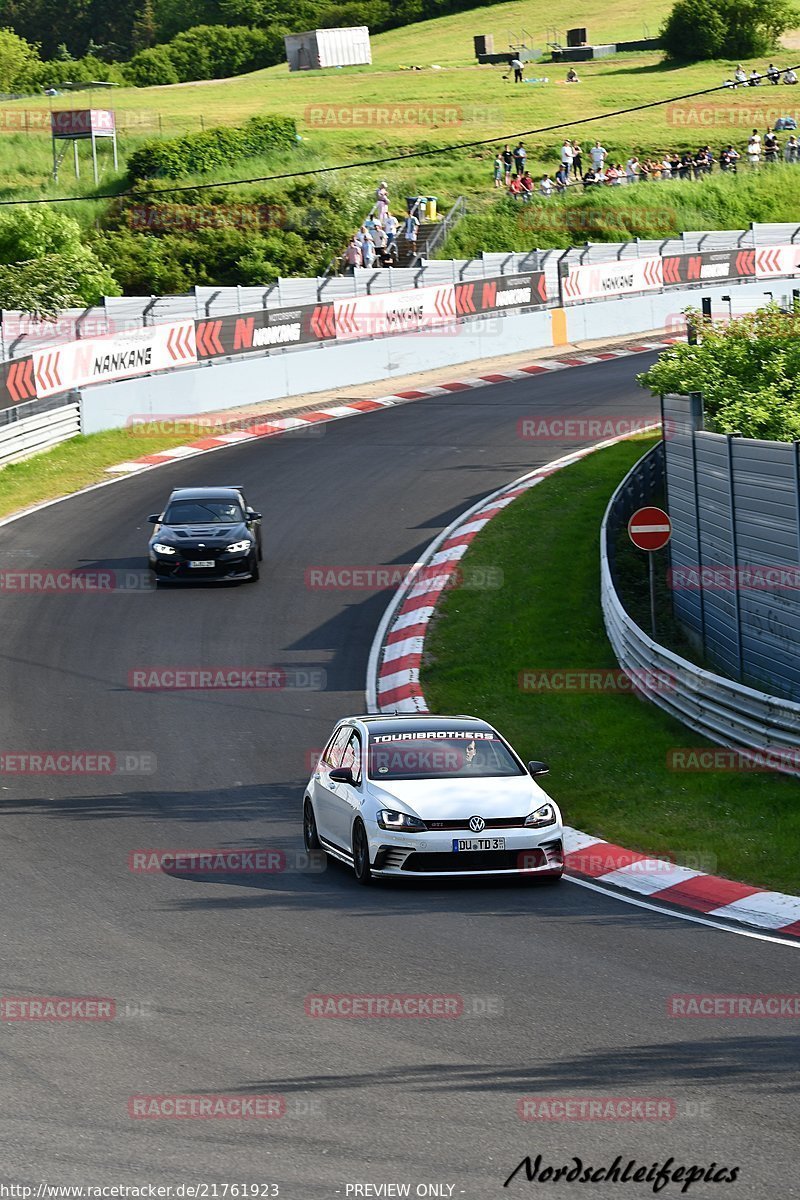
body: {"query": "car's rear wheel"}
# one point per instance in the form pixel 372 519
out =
pixel 361 865
pixel 310 835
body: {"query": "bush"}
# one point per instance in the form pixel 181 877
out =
pixel 747 371
pixel 46 285
pixel 18 61
pixel 216 51
pixel 199 153
pixel 697 30
pixel 151 68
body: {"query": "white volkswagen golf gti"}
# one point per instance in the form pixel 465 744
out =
pixel 429 796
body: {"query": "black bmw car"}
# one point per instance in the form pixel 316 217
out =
pixel 205 533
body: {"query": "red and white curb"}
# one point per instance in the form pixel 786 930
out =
pixel 257 428
pixel 393 686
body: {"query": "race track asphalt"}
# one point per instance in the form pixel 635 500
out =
pixel 209 974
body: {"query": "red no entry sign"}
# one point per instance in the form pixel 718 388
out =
pixel 649 528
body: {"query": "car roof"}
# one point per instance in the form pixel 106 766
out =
pixel 205 493
pixel 423 722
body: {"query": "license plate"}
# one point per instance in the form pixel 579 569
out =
pixel 202 562
pixel 478 844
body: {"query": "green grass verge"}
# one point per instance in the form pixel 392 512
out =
pixel 607 751
pixel 75 464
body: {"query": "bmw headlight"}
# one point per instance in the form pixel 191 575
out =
pixel 388 819
pixel 545 814
pixel 238 547
pixel 163 548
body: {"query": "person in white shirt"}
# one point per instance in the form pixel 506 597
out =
pixel 410 228
pixel 390 227
pixel 739 76
pixel 598 154
pixel 567 155
pixel 546 186
pixel 666 167
pixel 754 148
pixel 632 169
pixel 517 67
pixel 789 76
pixel 790 150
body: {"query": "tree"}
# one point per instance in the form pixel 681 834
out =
pixel 144 27
pixel 18 60
pixel 696 30
pixel 44 286
pixel 51 23
pixel 748 372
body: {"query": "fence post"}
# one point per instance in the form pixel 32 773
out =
pixel 695 402
pixel 736 604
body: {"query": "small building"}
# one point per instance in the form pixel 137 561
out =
pixel 328 48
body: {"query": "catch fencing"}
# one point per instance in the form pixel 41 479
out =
pixel 724 710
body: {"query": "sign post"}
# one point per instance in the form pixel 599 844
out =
pixel 650 529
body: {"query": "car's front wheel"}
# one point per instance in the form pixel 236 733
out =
pixel 254 571
pixel 310 835
pixel 361 865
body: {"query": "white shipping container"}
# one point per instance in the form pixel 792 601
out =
pixel 328 48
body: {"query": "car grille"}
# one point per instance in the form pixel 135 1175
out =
pixel 476 860
pixel 491 823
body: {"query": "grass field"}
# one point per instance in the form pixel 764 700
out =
pixel 607 750
pixel 383 110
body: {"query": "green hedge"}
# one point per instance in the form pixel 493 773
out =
pixel 199 153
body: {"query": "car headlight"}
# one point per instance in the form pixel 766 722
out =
pixel 238 547
pixel 388 819
pixel 162 548
pixel 545 814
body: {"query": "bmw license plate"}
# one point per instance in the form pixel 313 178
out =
pixel 202 562
pixel 478 844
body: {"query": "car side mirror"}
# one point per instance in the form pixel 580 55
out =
pixel 538 768
pixel 340 775
pixel 252 515
pixel 153 519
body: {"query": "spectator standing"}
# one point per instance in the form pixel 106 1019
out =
pixel 390 227
pixel 770 147
pixel 666 167
pixel 508 162
pixel 352 255
pixel 598 155
pixel 499 170
pixel 632 169
pixel 411 228
pixel 517 66
pixel 520 158
pixel 674 165
pixel 754 148
pixel 382 200
pixel 577 159
pixel 367 251
pixel 567 156
pixel 380 241
pixel 790 150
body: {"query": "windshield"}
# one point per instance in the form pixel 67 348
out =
pixel 446 755
pixel 202 512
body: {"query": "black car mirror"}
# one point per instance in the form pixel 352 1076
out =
pixel 253 516
pixel 341 775
pixel 538 768
pixel 154 519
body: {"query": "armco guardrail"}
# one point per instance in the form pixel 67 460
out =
pixel 26 435
pixel 724 711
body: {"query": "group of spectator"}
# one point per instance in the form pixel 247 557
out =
pixel 510 166
pixel 376 242
pixel 772 74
